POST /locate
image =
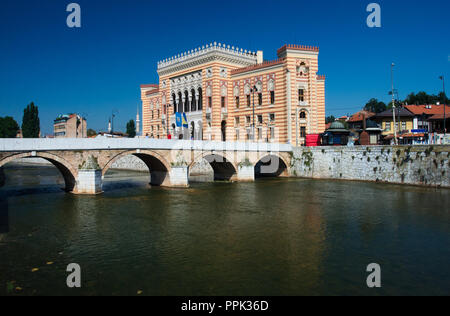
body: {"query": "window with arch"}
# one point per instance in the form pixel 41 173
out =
pixel 186 101
pixel 303 115
pixel 236 95
pixel 258 87
pixel 194 101
pixel 271 88
pixel 200 99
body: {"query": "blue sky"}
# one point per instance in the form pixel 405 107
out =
pixel 100 66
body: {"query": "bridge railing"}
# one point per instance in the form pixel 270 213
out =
pixel 49 144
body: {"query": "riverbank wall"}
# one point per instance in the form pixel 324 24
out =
pixel 414 165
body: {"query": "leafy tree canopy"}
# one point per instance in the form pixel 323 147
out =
pixel 30 122
pixel 8 127
pixel 330 119
pixel 91 132
pixel 422 98
pixel 131 129
pixel 375 106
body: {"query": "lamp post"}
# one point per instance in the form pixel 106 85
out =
pixel 113 115
pixel 443 102
pixel 393 103
pixel 167 120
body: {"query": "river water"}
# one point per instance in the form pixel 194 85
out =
pixel 271 237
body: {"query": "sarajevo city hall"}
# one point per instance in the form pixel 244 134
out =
pixel 231 94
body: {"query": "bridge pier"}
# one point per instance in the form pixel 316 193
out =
pixel 246 173
pixel 179 176
pixel 89 182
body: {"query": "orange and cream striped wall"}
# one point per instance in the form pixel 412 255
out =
pixel 289 98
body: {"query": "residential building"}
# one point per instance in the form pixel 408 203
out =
pixel 403 121
pixel 426 115
pixel 70 126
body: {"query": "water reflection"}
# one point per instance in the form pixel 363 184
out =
pixel 271 237
pixel 4 215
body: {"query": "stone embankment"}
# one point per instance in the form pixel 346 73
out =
pixel 416 165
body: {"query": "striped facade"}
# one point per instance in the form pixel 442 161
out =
pixel 233 95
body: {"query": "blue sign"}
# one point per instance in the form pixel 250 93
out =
pixel 419 131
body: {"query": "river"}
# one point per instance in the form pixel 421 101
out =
pixel 271 237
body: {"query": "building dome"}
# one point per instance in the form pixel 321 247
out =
pixel 337 126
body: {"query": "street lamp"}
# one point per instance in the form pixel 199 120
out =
pixel 443 102
pixel 113 115
pixel 167 120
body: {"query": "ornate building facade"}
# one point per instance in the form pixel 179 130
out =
pixel 230 94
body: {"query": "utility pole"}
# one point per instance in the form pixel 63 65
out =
pixel 393 103
pixel 443 102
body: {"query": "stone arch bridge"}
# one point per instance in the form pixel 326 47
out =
pixel 84 162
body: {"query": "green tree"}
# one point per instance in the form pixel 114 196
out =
pixel 330 119
pixel 30 122
pixel 91 132
pixel 375 106
pixel 8 127
pixel 423 98
pixel 131 129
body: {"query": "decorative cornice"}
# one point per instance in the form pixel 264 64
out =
pixel 258 66
pixel 143 86
pixel 205 54
pixel 298 47
pixel 320 77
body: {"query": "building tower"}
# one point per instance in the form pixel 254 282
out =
pixel 109 126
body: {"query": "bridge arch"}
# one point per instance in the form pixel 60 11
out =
pixel 222 164
pixel 66 169
pixel 157 165
pixel 271 165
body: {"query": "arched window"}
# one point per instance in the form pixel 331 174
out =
pixel 174 102
pixel 180 102
pixel 186 101
pixel 258 87
pixel 302 115
pixel 271 88
pixel 200 99
pixel 194 101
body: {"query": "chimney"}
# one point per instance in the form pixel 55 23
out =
pixel 259 57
